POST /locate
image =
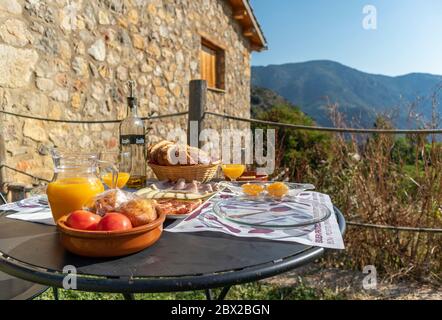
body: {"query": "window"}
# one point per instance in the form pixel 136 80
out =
pixel 212 64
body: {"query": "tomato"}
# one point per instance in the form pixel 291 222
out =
pixel 83 220
pixel 114 221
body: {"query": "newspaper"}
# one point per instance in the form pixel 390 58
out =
pixel 324 234
pixel 34 209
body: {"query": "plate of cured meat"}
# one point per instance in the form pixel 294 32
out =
pixel 177 209
pixel 179 199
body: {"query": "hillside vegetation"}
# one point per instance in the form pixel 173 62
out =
pixel 361 96
pixel 377 179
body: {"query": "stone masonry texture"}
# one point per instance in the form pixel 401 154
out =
pixel 70 59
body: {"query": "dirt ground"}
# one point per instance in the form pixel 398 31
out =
pixel 347 284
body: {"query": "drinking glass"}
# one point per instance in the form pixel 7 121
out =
pixel 233 171
pixel 123 162
pixel 236 170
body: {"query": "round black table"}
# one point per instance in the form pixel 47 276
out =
pixel 177 262
pixel 12 288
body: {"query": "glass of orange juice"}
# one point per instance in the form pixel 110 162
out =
pixel 76 181
pixel 233 171
pixel 123 162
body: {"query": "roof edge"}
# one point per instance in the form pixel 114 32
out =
pixel 256 24
pixel 250 24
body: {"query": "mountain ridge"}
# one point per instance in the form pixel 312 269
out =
pixel 342 64
pixel 360 95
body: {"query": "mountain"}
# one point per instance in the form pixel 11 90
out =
pixel 263 99
pixel 360 96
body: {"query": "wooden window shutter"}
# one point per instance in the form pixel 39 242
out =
pixel 208 66
pixel 212 63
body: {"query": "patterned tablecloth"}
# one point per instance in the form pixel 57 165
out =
pixel 323 234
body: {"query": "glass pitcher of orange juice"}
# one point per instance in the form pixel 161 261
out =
pixel 77 180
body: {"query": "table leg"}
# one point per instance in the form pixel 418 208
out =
pixel 129 296
pixel 209 294
pixel 221 296
pixel 224 293
pixel 55 292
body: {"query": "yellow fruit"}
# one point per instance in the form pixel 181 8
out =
pixel 277 189
pixel 252 189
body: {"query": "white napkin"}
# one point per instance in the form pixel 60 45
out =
pixel 34 209
pixel 44 217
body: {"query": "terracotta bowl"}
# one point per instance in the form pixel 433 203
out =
pixel 105 244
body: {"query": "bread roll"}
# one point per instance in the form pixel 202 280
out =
pixel 162 154
pixel 176 155
pixel 198 156
pixel 166 153
pixel 154 150
pixel 139 211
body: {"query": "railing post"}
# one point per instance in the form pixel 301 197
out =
pixel 2 154
pixel 197 106
pixel 17 191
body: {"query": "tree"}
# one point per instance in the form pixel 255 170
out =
pixel 298 150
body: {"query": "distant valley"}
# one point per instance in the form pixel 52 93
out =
pixel 361 96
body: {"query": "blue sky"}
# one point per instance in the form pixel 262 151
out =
pixel 408 37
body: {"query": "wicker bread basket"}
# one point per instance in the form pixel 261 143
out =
pixel 199 172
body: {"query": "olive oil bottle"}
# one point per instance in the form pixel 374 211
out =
pixel 132 139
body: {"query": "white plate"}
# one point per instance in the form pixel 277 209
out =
pixel 184 216
pixel 275 214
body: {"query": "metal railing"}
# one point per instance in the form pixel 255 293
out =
pixel 396 228
pixel 326 129
pixel 23 173
pixel 149 118
pixel 31 117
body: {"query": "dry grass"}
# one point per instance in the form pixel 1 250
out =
pixel 377 190
pixel 370 183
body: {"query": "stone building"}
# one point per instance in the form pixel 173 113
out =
pixel 71 59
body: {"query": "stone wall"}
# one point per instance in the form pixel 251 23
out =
pixel 70 59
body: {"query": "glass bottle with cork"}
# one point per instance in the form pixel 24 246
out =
pixel 132 140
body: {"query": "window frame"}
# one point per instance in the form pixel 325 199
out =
pixel 220 64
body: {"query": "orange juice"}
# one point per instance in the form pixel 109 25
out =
pixel 70 194
pixel 278 189
pixel 233 171
pixel 123 177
